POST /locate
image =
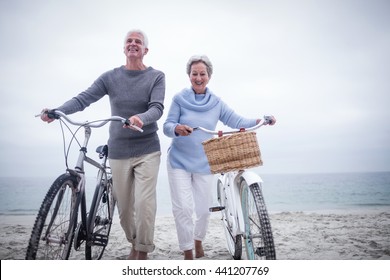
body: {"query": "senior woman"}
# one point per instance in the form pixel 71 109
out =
pixel 189 173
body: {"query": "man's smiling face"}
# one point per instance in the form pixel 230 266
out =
pixel 134 46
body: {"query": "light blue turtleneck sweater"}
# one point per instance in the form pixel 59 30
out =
pixel 205 110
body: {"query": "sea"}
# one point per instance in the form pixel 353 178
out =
pixel 325 192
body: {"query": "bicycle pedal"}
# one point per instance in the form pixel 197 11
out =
pixel 260 251
pixel 100 240
pixel 216 208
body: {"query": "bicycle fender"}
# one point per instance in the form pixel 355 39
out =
pixel 251 177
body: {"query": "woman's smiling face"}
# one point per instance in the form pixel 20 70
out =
pixel 199 77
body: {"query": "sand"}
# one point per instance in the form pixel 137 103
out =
pixel 297 236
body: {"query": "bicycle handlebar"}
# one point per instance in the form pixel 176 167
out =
pixel 265 121
pixel 56 114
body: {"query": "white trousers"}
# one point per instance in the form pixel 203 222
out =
pixel 190 192
pixel 134 187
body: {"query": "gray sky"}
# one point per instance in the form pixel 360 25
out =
pixel 321 67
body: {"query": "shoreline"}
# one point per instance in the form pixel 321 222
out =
pixel 27 219
pixel 348 235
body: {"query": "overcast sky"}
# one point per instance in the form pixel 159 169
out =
pixel 321 67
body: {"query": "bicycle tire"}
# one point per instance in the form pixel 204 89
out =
pixel 258 238
pixel 234 243
pixel 100 219
pixel 53 231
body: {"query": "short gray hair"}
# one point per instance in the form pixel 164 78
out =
pixel 143 34
pixel 200 58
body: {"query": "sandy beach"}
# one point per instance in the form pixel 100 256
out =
pixel 298 236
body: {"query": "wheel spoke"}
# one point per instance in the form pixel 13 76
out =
pixel 254 222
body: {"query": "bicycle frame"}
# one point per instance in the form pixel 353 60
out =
pixel 79 172
pixel 79 168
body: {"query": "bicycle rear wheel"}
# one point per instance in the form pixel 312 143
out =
pixel 53 230
pixel 258 236
pixel 234 243
pixel 100 219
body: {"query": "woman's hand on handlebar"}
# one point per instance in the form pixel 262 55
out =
pixel 183 130
pixel 270 120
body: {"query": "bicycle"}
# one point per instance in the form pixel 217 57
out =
pixel 62 222
pixel 241 201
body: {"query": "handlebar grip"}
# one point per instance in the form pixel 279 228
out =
pixel 52 114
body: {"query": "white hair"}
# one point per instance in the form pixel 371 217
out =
pixel 143 34
pixel 200 58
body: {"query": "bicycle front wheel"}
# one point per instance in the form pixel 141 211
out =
pixel 234 242
pixel 258 236
pixel 53 231
pixel 100 219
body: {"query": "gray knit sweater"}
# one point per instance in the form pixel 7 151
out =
pixel 131 93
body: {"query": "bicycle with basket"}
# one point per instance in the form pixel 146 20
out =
pixel 239 191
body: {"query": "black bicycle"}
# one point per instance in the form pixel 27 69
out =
pixel 63 222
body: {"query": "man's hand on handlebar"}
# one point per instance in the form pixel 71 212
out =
pixel 135 121
pixel 45 117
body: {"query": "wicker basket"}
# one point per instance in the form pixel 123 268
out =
pixel 237 151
